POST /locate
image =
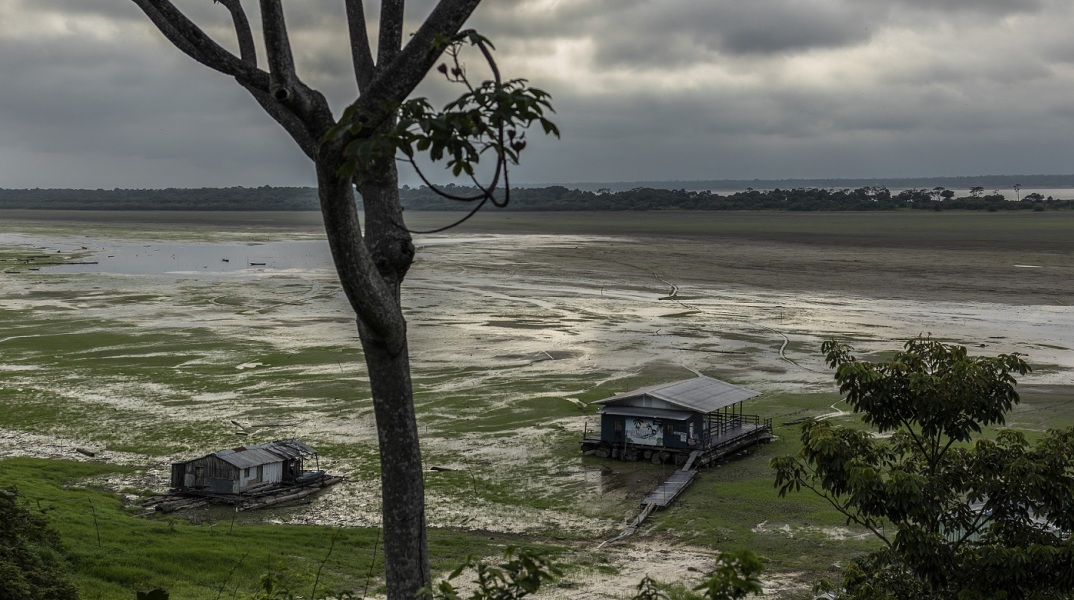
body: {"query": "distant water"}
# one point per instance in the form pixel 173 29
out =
pixel 1008 193
pixel 200 258
pixel 195 258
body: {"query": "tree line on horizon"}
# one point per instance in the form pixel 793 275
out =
pixel 551 198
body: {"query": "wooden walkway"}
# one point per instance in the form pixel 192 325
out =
pixel 663 495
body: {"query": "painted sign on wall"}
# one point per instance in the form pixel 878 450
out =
pixel 644 432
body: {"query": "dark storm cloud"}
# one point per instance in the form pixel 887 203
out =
pixel 94 96
pixel 119 110
pixel 981 7
pixel 677 32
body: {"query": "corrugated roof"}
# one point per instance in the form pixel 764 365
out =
pixel 701 394
pixel 247 457
pixel 636 411
pixel 291 448
pixel 263 454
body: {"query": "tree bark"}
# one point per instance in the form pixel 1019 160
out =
pixel 382 331
pixel 406 552
pixel 372 267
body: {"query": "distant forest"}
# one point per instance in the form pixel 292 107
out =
pixel 553 198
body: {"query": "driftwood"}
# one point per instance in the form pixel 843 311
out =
pixel 296 495
pixel 85 452
pixel 259 496
pixel 183 503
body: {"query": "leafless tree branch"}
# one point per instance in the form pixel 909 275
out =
pixel 247 50
pixel 189 38
pixel 281 62
pixel 361 55
pixel 309 106
pixel 391 31
pixel 398 78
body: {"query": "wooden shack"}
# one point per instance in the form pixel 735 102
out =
pixel 668 422
pixel 236 470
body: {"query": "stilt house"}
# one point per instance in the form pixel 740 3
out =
pixel 675 419
pixel 236 470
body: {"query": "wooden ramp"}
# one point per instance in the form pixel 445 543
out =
pixel 671 488
pixel 690 461
pixel 660 497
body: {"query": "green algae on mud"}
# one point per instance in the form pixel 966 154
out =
pixel 148 369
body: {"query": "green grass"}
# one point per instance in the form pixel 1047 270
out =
pixel 117 553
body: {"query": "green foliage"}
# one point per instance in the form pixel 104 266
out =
pixel 735 577
pixel 649 589
pixel 520 574
pixel 489 117
pixel 33 563
pixel 523 572
pixel 192 557
pixel 982 518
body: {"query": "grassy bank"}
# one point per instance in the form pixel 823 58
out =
pixel 204 553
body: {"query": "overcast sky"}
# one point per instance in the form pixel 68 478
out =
pixel 92 96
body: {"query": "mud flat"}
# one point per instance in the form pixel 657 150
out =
pixel 511 317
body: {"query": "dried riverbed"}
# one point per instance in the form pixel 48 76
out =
pixel 150 354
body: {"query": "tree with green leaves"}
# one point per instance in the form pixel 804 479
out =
pixel 33 562
pixel 360 150
pixel 960 513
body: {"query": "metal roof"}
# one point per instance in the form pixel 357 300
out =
pixel 245 457
pixel 637 411
pixel 700 394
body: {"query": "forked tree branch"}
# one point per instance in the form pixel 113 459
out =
pixel 308 105
pixel 189 38
pixel 298 130
pixel 305 127
pixel 247 50
pixel 281 62
pixel 397 79
pixel 361 54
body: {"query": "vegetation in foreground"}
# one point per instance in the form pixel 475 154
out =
pixel 113 551
pixel 959 515
pixel 33 563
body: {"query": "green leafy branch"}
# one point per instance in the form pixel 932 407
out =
pixel 520 574
pixel 489 119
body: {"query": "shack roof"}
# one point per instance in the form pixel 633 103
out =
pixel 639 411
pixel 700 394
pixel 245 457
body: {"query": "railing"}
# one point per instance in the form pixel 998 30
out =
pixel 723 428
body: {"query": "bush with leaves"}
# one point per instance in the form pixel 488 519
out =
pixel 958 513
pixel 33 563
pixel 523 572
pixel 520 574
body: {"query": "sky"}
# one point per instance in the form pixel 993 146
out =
pixel 92 96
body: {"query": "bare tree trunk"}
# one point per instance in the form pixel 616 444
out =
pixel 402 481
pixel 386 355
pixel 371 268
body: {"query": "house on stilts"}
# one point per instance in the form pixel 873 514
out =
pixel 237 470
pixel 699 420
